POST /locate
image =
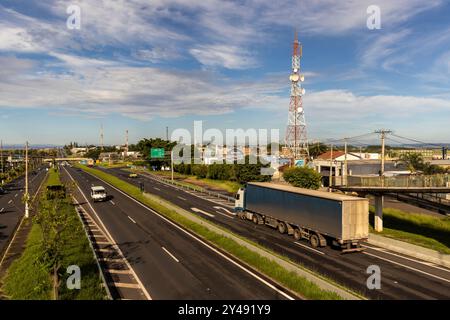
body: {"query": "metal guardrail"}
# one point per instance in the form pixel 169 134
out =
pixel 417 181
pixel 192 188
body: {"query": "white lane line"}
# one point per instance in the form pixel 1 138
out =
pixel 254 275
pixel 408 267
pixel 429 264
pixel 1 210
pixel 226 210
pixel 157 188
pixel 10 201
pixel 224 214
pixel 170 254
pixel 15 195
pixel 181 198
pixel 131 219
pixel 306 247
pixel 204 212
pixel 112 202
pixel 114 242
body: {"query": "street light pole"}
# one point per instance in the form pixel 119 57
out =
pixel 171 162
pixel 330 181
pixel 26 181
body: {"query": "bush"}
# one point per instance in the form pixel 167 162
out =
pixel 303 177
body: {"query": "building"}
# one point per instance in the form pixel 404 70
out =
pixel 78 151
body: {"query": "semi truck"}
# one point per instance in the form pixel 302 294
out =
pixel 322 218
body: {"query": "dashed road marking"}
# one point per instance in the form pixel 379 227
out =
pixel 304 246
pixel 170 254
pixel 181 198
pixel 131 219
pixel 204 212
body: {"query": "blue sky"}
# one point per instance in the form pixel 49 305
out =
pixel 143 65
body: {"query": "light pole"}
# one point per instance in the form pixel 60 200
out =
pixel 26 181
pixel 171 162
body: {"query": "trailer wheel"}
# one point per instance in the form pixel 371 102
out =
pixel 282 227
pixel 314 241
pixel 255 219
pixel 297 234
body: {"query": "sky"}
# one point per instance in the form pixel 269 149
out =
pixel 143 65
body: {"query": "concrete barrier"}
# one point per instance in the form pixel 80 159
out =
pixel 410 250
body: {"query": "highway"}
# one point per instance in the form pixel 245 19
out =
pixel 11 206
pixel 169 262
pixel 401 277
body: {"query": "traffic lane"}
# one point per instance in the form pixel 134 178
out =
pixel 400 279
pixel 215 277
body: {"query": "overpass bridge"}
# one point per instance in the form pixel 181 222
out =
pixel 380 191
pixel 65 159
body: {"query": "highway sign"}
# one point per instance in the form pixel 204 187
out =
pixel 157 153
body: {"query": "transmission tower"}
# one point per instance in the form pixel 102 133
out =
pixel 296 137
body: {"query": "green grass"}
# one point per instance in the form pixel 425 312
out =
pixel 53 177
pixel 291 280
pixel 189 180
pixel 424 230
pixel 28 277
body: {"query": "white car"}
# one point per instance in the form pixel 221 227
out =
pixel 98 193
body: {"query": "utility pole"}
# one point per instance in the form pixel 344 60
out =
pixel 330 181
pixel 26 181
pixel 344 174
pixel 167 133
pixel 101 137
pixel 1 159
pixel 171 163
pixel 125 154
pixel 383 133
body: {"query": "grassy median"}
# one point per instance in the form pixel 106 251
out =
pixel 30 276
pixel 420 229
pixel 290 280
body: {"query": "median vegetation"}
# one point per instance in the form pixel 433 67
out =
pixel 56 241
pixel 424 230
pixel 290 280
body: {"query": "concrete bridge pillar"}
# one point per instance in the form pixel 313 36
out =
pixel 378 223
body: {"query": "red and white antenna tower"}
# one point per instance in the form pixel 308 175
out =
pixel 296 138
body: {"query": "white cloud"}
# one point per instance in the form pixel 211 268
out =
pixel 230 57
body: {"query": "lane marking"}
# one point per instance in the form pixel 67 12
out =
pixel 429 264
pixel 112 202
pixel 306 247
pixel 131 219
pixel 408 267
pixel 114 243
pixel 118 271
pixel 224 214
pixel 2 210
pixel 204 212
pixel 10 201
pixel 254 275
pixel 181 198
pixel 170 254
pixel 157 188
pixel 226 210
pixel 126 285
pixel 15 196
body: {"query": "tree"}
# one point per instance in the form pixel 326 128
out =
pixel 413 161
pixel 145 145
pixel 317 149
pixel 303 177
pixel 251 170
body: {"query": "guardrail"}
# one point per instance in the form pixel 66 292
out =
pixel 420 181
pixel 185 186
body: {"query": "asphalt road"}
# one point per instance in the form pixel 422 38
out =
pixel 401 277
pixel 11 206
pixel 169 262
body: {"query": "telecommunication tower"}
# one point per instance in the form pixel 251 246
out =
pixel 296 137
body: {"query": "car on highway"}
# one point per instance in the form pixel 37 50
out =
pixel 98 193
pixel 133 175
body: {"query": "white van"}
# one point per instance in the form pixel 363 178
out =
pixel 98 193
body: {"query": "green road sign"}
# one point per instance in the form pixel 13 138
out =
pixel 157 153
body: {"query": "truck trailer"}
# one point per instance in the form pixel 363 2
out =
pixel 322 218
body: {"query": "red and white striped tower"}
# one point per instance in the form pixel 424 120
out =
pixel 296 138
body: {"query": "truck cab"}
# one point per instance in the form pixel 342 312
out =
pixel 98 193
pixel 239 200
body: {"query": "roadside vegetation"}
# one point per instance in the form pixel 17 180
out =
pixel 303 177
pixel 415 228
pixel 291 280
pixel 56 240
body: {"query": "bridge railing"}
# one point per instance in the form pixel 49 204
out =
pixel 420 181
